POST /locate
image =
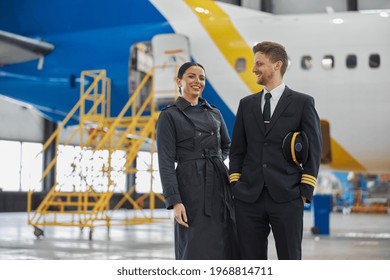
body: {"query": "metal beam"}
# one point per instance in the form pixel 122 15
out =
pixel 48 155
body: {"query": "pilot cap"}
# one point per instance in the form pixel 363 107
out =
pixel 295 147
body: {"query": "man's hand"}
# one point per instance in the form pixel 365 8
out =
pixel 180 214
pixel 303 199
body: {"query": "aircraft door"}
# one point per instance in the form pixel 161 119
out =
pixel 170 51
pixel 326 157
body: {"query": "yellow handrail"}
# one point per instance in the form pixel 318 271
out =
pixel 88 208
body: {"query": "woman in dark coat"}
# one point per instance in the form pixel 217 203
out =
pixel 192 134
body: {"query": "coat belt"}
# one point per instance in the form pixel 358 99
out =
pixel 213 164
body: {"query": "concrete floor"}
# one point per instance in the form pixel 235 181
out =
pixel 352 237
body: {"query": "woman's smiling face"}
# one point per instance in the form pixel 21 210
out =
pixel 193 82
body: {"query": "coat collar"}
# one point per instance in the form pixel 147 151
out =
pixel 182 104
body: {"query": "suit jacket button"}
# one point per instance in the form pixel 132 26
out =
pixel 265 165
pixel 212 132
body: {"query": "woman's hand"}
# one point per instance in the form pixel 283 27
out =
pixel 180 214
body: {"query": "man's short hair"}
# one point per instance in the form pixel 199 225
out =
pixel 274 51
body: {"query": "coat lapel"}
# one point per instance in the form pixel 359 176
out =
pixel 284 101
pixel 256 110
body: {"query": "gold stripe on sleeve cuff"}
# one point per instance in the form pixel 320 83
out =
pixel 234 177
pixel 308 179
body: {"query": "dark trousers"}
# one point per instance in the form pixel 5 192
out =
pixel 255 220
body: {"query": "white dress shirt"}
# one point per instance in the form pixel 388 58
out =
pixel 276 94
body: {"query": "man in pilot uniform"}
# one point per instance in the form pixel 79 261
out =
pixel 274 159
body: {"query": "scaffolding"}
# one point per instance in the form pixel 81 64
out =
pixel 88 206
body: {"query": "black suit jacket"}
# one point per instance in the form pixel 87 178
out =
pixel 256 157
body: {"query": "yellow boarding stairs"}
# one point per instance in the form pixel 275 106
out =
pixel 88 207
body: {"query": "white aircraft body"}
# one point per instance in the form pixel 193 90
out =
pixel 341 59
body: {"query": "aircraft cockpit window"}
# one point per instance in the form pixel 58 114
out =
pixel 240 65
pixel 351 61
pixel 306 62
pixel 328 62
pixel 374 61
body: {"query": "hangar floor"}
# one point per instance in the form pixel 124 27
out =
pixel 352 237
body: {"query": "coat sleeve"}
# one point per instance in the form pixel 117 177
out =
pixel 225 139
pixel 238 147
pixel 166 148
pixel 312 127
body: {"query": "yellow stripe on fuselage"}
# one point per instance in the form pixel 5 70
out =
pixel 226 37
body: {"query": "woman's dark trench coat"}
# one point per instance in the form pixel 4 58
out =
pixel 196 139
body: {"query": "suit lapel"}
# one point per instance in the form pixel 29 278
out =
pixel 256 110
pixel 284 101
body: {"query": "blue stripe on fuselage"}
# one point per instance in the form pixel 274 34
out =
pixel 213 98
pixel 42 17
pixel 87 35
pixel 79 47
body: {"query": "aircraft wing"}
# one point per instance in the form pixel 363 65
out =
pixel 15 48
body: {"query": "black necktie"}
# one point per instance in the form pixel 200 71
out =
pixel 267 109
